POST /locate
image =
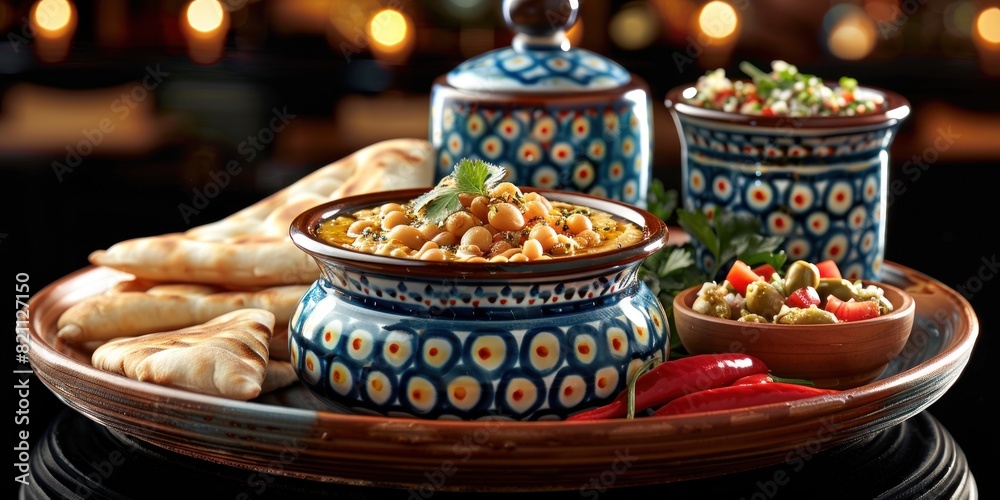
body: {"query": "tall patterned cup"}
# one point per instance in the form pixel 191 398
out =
pixel 821 183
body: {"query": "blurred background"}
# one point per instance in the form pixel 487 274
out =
pixel 113 113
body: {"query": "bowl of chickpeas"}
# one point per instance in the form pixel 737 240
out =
pixel 511 303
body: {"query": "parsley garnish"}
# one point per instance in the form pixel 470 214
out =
pixel 728 237
pixel 475 177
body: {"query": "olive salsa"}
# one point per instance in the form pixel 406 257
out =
pixel 471 216
pixel 805 293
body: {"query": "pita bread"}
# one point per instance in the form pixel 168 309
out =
pixel 226 356
pixel 252 247
pixel 168 307
pixel 280 374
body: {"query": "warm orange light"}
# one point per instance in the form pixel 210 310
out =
pixel 388 28
pixel 575 33
pixel 988 25
pixel 52 15
pixel 852 37
pixel 205 15
pixel 718 19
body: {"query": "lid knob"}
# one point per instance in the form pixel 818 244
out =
pixel 540 23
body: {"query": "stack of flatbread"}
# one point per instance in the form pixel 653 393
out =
pixel 207 309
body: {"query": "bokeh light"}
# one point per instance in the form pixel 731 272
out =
pixel 851 34
pixel 205 15
pixel 52 15
pixel 988 25
pixel 718 19
pixel 635 26
pixel 388 28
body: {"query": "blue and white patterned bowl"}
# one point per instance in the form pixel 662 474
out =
pixel 820 183
pixel 446 340
pixel 555 116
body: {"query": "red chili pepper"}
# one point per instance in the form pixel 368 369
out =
pixel 756 378
pixel 739 396
pixel 674 378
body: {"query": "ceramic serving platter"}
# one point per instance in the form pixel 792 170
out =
pixel 291 433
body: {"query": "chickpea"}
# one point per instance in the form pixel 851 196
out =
pixel 541 232
pixel 499 247
pixel 511 252
pixel 518 257
pixel 578 223
pixel 534 209
pixel 390 207
pixel 466 199
pixel 445 239
pixel 357 228
pixel 506 217
pixel 393 219
pixel 407 235
pixel 505 190
pixel 458 223
pixel 532 249
pixel 430 230
pixel 430 245
pixel 480 207
pixel 588 238
pixel 433 254
pixel 498 258
pixel 478 236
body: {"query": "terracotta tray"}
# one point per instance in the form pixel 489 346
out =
pixel 291 433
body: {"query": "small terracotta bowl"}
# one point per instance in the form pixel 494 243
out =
pixel 835 356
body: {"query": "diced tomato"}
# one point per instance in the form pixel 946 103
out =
pixel 803 297
pixel 828 269
pixel 851 310
pixel 764 271
pixel 767 112
pixel 848 96
pixel 740 275
pixel 723 95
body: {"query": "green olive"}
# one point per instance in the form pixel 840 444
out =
pixel 841 288
pixel 764 299
pixel 752 318
pixel 800 275
pixel 877 295
pixel 811 315
pixel 713 303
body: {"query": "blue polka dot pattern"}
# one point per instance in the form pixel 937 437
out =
pixel 595 148
pixel 545 365
pixel 824 193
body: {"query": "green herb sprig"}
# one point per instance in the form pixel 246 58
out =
pixel 474 177
pixel 727 237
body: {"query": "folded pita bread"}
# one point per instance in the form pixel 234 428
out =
pixel 280 374
pixel 252 247
pixel 166 307
pixel 226 356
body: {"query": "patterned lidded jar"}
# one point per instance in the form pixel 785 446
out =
pixel 554 116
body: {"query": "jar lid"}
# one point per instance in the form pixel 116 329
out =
pixel 540 58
